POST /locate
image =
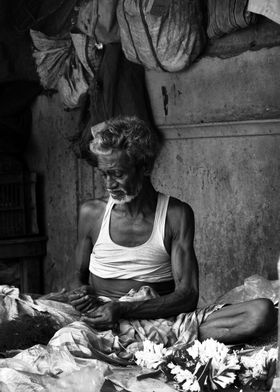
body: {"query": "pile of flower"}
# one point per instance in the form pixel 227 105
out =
pixel 208 365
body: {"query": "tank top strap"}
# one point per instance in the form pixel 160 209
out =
pixel 160 216
pixel 106 217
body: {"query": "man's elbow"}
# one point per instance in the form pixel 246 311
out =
pixel 189 301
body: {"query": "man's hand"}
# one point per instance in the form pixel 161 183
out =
pixel 105 317
pixel 83 299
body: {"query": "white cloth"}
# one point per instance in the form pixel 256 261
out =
pixel 148 262
pixel 267 8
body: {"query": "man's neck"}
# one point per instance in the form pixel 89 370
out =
pixel 144 203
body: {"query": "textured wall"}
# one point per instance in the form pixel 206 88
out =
pixel 233 185
pixel 63 182
pixel 228 172
pixel 239 88
pixel 225 167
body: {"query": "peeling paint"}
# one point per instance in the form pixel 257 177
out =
pixel 165 100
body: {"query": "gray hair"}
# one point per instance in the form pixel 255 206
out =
pixel 128 134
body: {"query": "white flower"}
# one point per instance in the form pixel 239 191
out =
pixel 272 355
pixel 257 364
pixel 209 349
pixel 222 366
pixel 187 380
pixel 151 356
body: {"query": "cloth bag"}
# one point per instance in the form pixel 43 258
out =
pixel 227 16
pixel 66 64
pixel 163 35
pixel 97 19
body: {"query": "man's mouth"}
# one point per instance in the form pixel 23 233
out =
pixel 117 194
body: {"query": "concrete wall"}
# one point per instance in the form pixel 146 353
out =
pixel 232 182
pixel 225 166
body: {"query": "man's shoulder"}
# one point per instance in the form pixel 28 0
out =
pixel 178 210
pixel 93 208
pixel 177 205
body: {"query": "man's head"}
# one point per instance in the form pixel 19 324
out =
pixel 125 149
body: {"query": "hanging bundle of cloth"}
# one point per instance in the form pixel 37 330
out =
pixel 68 59
pixel 88 68
pixel 166 35
pixel 97 19
pixel 66 64
pixel 227 16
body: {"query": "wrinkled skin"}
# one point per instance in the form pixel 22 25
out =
pixel 96 313
pixel 104 317
pixel 84 299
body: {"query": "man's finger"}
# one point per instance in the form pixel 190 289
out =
pixel 73 298
pixel 90 307
pixel 76 295
pixel 80 290
pixel 80 301
pixel 93 319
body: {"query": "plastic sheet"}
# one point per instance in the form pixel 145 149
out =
pixel 254 287
pixel 49 368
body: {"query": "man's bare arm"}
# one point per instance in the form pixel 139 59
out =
pixel 84 246
pixel 185 273
pixel 83 298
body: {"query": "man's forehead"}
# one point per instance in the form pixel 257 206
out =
pixel 113 159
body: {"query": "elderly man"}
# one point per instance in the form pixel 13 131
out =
pixel 139 237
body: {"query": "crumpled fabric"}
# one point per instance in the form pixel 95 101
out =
pixel 98 20
pixel 50 55
pixel 167 38
pixel 80 339
pixel 227 16
pixel 72 359
pixel 67 64
pixel 13 305
pixel 255 286
pixel 122 342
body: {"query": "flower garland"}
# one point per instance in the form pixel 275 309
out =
pixel 207 365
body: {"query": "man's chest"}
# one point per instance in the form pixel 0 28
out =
pixel 130 232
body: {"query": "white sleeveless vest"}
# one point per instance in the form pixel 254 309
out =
pixel 148 262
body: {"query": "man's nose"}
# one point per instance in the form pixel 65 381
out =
pixel 110 182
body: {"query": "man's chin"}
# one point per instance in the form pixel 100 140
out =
pixel 122 199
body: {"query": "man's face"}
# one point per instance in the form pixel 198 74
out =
pixel 122 180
